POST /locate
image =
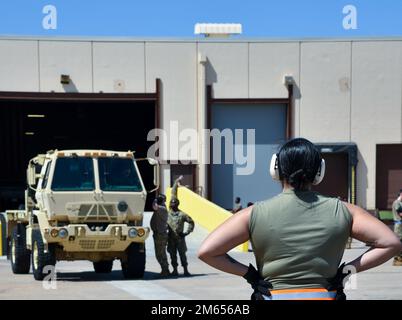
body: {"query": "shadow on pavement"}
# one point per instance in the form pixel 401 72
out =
pixel 116 275
pixel 155 276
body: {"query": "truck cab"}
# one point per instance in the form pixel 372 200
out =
pixel 81 205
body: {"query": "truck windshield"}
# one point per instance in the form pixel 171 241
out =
pixel 73 174
pixel 118 174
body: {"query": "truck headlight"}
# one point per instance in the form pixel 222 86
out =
pixel 63 233
pixel 132 233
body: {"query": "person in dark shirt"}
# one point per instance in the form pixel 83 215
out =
pixel 160 232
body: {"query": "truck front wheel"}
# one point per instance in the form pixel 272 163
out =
pixel 134 265
pixel 104 266
pixel 19 254
pixel 40 258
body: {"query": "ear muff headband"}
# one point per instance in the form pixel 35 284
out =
pixel 274 170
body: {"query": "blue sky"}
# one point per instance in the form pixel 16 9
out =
pixel 176 18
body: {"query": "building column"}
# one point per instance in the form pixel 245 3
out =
pixel 201 125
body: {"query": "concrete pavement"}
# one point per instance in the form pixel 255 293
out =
pixel 76 280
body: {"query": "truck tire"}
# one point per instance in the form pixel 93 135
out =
pixel 19 254
pixel 134 266
pixel 40 258
pixel 104 266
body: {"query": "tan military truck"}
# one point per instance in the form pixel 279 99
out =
pixel 81 205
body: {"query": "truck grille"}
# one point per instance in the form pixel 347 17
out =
pixel 97 211
pixel 105 244
pixel 87 244
pixel 92 244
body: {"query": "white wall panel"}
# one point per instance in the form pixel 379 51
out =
pixel 65 57
pixel 175 65
pixel 269 63
pixel 227 68
pixel 325 91
pixel 376 106
pixel 19 65
pixel 119 67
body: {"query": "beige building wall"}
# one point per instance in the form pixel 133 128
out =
pixel 119 67
pixel 345 91
pixel 376 107
pixel 19 65
pixel 175 63
pixel 325 91
pixel 227 68
pixel 268 64
pixel 73 58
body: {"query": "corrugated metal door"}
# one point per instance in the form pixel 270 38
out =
pixel 269 123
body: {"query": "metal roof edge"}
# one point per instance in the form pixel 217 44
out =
pixel 195 39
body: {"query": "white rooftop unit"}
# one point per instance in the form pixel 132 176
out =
pixel 217 29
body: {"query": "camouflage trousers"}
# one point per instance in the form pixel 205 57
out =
pixel 398 232
pixel 175 245
pixel 160 241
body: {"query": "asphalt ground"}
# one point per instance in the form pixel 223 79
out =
pixel 76 280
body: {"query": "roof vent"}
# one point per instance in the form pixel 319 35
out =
pixel 217 29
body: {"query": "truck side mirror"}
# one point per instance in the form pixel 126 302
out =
pixel 31 175
pixel 156 177
pixel 155 163
pixel 152 161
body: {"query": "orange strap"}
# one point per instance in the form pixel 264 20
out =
pixel 302 294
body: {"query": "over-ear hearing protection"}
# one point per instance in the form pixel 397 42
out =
pixel 274 167
pixel 274 170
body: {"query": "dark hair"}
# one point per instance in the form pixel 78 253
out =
pixel 174 201
pixel 161 199
pixel 237 199
pixel 298 161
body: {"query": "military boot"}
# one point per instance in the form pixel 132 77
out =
pixel 165 272
pixel 186 273
pixel 397 261
pixel 175 273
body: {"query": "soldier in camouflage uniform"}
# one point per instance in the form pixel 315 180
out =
pixel 176 239
pixel 397 212
pixel 160 232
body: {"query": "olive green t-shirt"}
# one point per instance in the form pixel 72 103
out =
pixel 298 238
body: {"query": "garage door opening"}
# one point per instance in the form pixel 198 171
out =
pixel 29 127
pixel 388 174
pixel 340 173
